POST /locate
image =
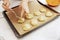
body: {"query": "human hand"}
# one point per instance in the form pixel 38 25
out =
pixel 6 2
pixel 25 5
pixel 5 6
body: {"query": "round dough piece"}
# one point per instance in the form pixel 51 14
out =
pixel 27 27
pixel 29 16
pixel 49 14
pixel 43 10
pixel 34 22
pixel 42 18
pixel 37 13
pixel 21 20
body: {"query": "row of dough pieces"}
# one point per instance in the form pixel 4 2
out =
pixel 34 22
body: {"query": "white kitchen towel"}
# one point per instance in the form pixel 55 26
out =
pixel 1 9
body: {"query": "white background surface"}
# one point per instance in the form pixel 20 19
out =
pixel 51 31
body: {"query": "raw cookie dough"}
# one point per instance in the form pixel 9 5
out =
pixel 43 10
pixel 27 27
pixel 42 18
pixel 21 20
pixel 37 13
pixel 34 22
pixel 49 14
pixel 29 16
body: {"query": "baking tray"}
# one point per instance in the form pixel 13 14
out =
pixel 14 29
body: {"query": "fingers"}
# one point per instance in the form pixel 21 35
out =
pixel 5 7
pixel 22 12
pixel 25 6
pixel 6 2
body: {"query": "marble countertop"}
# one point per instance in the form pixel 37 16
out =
pixel 51 31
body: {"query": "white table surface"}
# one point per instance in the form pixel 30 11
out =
pixel 51 31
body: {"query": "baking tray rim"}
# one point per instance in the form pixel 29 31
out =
pixel 13 28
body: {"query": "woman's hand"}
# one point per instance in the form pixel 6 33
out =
pixel 5 7
pixel 6 2
pixel 25 5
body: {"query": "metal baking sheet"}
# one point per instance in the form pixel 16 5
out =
pixel 13 21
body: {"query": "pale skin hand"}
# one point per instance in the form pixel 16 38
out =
pixel 6 2
pixel 24 5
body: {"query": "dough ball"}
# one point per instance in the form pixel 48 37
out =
pixel 21 20
pixel 43 10
pixel 42 18
pixel 37 13
pixel 29 16
pixel 27 27
pixel 49 14
pixel 34 22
